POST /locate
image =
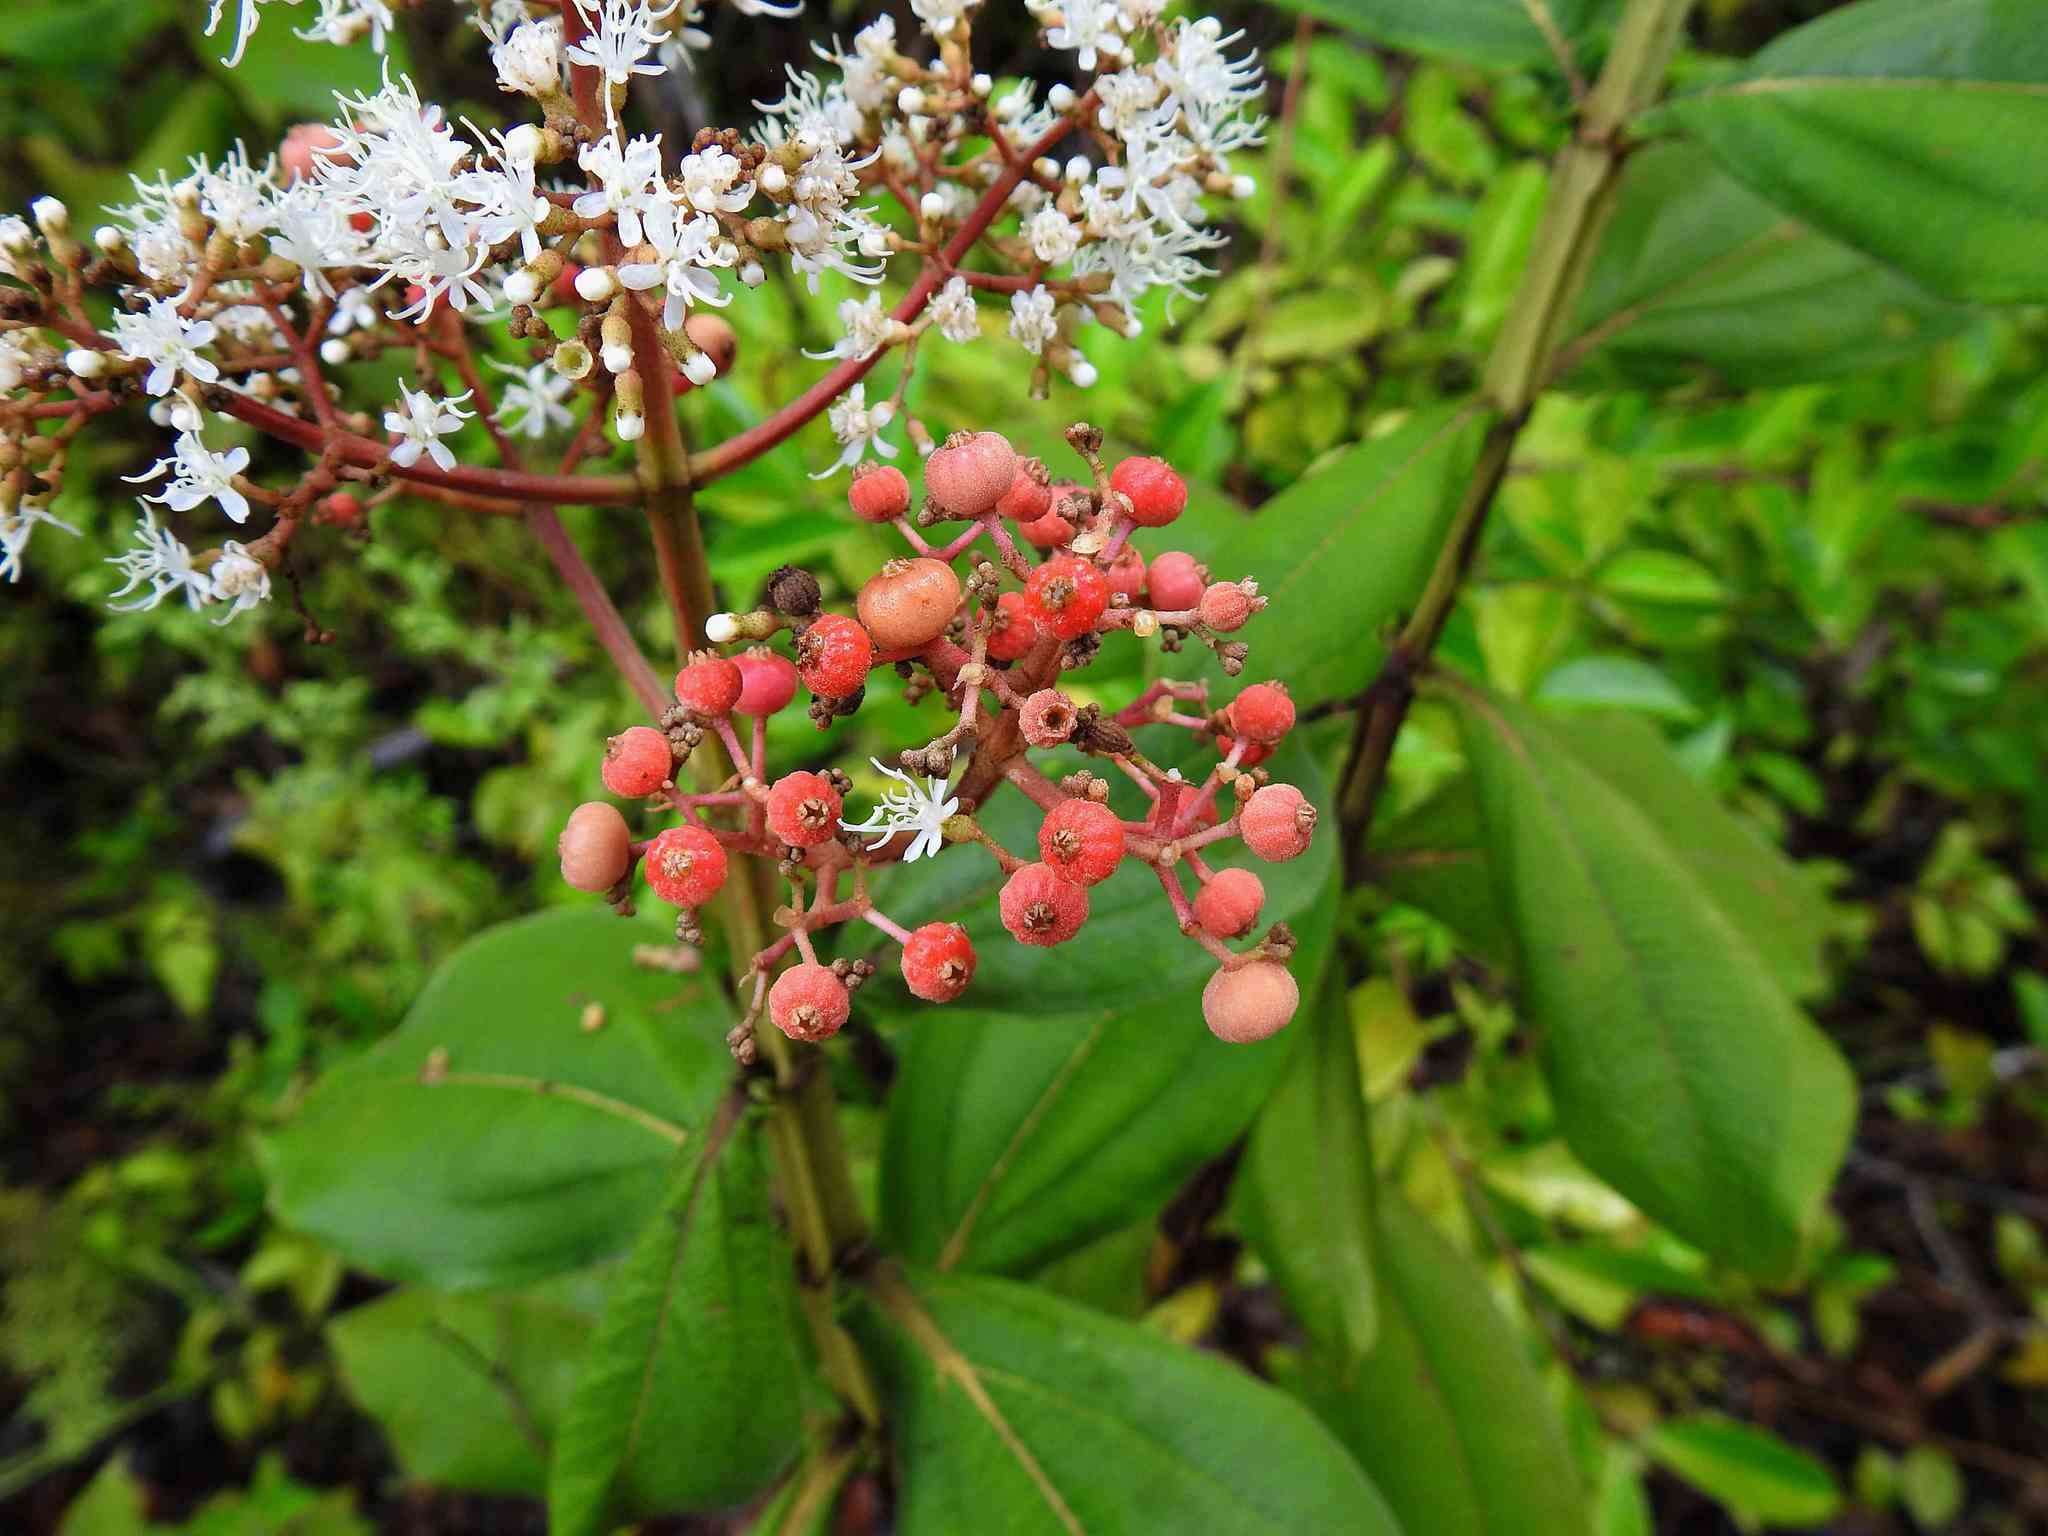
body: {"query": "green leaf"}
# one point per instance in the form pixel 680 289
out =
pixel 1696 272
pixel 1915 130
pixel 1661 576
pixel 1357 538
pixel 1446 1414
pixel 1508 34
pixel 494 1138
pixel 1304 1187
pixel 1750 1470
pixel 1434 857
pixel 468 1389
pixel 1932 1486
pixel 1012 1410
pixel 1323 322
pixel 1616 682
pixel 689 1396
pixel 1683 1073
pixel 1095 1087
pixel 113 1504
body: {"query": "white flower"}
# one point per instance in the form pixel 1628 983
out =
pixel 162 562
pixel 858 429
pixel 909 809
pixel 867 326
pixel 17 528
pixel 169 342
pixel 686 250
pixel 239 580
pixel 953 311
pixel 625 30
pixel 198 475
pixel 1031 319
pixel 941 16
pixel 423 421
pixel 531 406
pixel 627 176
pixel 1052 235
pixel 529 60
pixel 344 21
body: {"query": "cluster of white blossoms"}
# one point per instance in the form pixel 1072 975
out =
pixel 240 280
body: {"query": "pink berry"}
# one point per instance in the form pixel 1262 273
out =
pixel 685 866
pixel 1041 906
pixel 878 493
pixel 1252 755
pixel 1158 494
pixel 637 762
pixel 1016 629
pixel 808 1002
pixel 1082 840
pixel 595 847
pixel 1046 718
pixel 803 809
pixel 1047 532
pixel 1229 904
pixel 968 476
pixel 938 962
pixel 1262 713
pixel 767 683
pixel 834 655
pixel 907 604
pixel 295 155
pixel 1175 580
pixel 710 685
pixel 1250 1002
pixel 1126 573
pixel 1277 823
pixel 1027 499
pixel 1068 595
pixel 1225 606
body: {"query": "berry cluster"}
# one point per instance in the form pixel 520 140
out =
pixel 1065 574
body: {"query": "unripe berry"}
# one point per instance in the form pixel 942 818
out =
pixel 1277 823
pixel 803 809
pixel 1082 840
pixel 1068 595
pixel 1047 532
pixel 808 1002
pixel 1016 628
pixel 710 685
pixel 1126 573
pixel 595 846
pixel 767 682
pixel 1250 1002
pixel 834 655
pixel 878 493
pixel 685 866
pixel 938 962
pixel 637 762
pixel 1158 494
pixel 969 475
pixel 1229 904
pixel 1176 581
pixel 1225 606
pixel 1026 500
pixel 1041 906
pixel 714 337
pixel 1046 718
pixel 1262 713
pixel 909 603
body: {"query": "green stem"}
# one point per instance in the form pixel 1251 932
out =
pixel 1583 184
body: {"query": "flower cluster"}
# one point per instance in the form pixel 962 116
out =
pixel 1060 572
pixel 580 253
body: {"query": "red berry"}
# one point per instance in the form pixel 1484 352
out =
pixel 1027 499
pixel 1046 718
pixel 808 1002
pixel 878 493
pixel 1126 573
pixel 1158 494
pixel 1082 840
pixel 710 685
pixel 938 962
pixel 803 809
pixel 833 656
pixel 908 603
pixel 1047 532
pixel 685 866
pixel 1250 1002
pixel 767 682
pixel 295 156
pixel 341 510
pixel 1068 594
pixel 1175 580
pixel 1253 753
pixel 1277 823
pixel 1229 904
pixel 637 762
pixel 968 476
pixel 1225 606
pixel 595 847
pixel 1263 713
pixel 1041 906
pixel 1016 629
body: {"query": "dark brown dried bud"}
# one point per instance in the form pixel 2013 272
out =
pixel 794 592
